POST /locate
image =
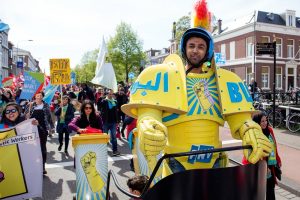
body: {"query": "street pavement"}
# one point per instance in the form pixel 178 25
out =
pixel 60 181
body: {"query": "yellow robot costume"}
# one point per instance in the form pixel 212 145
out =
pixel 179 113
pixel 191 116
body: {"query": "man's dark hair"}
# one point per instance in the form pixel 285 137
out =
pixel 137 182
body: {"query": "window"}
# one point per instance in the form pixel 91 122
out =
pixel 223 49
pixel 279 47
pixel 290 71
pixel 265 77
pixel 20 58
pixel 290 48
pixel 298 50
pixel 278 78
pixel 249 75
pixel 4 73
pixel 265 39
pixel 232 50
pixel 290 20
pixel 249 46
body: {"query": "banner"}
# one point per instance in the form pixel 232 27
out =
pixel 7 81
pixel 33 83
pixel 104 73
pixel 49 93
pixel 60 71
pixel 73 78
pixel 21 163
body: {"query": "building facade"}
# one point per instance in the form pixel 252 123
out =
pixel 237 42
pixel 4 68
pixel 155 57
pixel 25 60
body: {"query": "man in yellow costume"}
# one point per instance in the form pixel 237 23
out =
pixel 180 110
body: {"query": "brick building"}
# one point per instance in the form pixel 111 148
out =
pixel 237 42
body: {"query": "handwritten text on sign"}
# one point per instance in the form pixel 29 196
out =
pixel 60 71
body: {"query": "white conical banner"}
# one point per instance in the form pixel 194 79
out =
pixel 104 73
pixel 106 77
pixel 101 55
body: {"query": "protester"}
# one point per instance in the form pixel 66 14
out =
pixel 9 95
pixel 53 107
pixel 253 89
pixel 109 115
pixel 273 160
pixel 40 110
pixel 87 118
pixel 86 94
pixel 129 123
pixel 17 95
pixel 122 99
pixel 136 184
pixel 3 100
pixel 65 114
pixel 99 96
pixel 12 116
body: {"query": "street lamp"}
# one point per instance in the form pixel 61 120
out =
pixel 18 51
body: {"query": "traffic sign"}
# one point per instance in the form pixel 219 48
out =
pixel 265 45
pixel 264 48
pixel 131 75
pixel 220 58
pixel 20 64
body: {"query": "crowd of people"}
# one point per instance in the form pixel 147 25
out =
pixel 73 109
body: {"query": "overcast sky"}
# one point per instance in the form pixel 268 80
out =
pixel 69 28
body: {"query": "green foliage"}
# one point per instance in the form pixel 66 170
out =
pixel 85 72
pixel 125 51
pixel 183 24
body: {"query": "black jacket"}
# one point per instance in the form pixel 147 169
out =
pixel 109 115
pixel 68 118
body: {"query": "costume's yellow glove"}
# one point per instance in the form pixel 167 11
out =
pixel 251 134
pixel 88 163
pixel 152 136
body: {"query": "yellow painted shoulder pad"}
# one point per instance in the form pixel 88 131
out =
pixel 161 87
pixel 234 94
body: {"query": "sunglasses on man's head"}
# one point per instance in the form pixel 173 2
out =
pixel 11 111
pixel 88 108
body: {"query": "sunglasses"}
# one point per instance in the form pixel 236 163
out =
pixel 88 108
pixel 11 111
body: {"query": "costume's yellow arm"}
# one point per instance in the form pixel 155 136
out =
pixel 149 112
pixel 236 121
pixel 152 134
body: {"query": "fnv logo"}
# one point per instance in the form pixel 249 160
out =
pixel 203 158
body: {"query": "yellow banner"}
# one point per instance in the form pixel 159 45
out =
pixel 60 71
pixel 13 180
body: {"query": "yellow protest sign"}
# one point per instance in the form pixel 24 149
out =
pixel 13 180
pixel 60 71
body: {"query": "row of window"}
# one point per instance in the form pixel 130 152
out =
pixel 266 39
pixel 265 77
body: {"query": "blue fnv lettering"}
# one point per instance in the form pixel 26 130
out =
pixel 203 158
pixel 234 92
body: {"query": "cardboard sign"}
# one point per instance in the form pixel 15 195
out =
pixel 60 71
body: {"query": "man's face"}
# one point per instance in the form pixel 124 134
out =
pixel 195 50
